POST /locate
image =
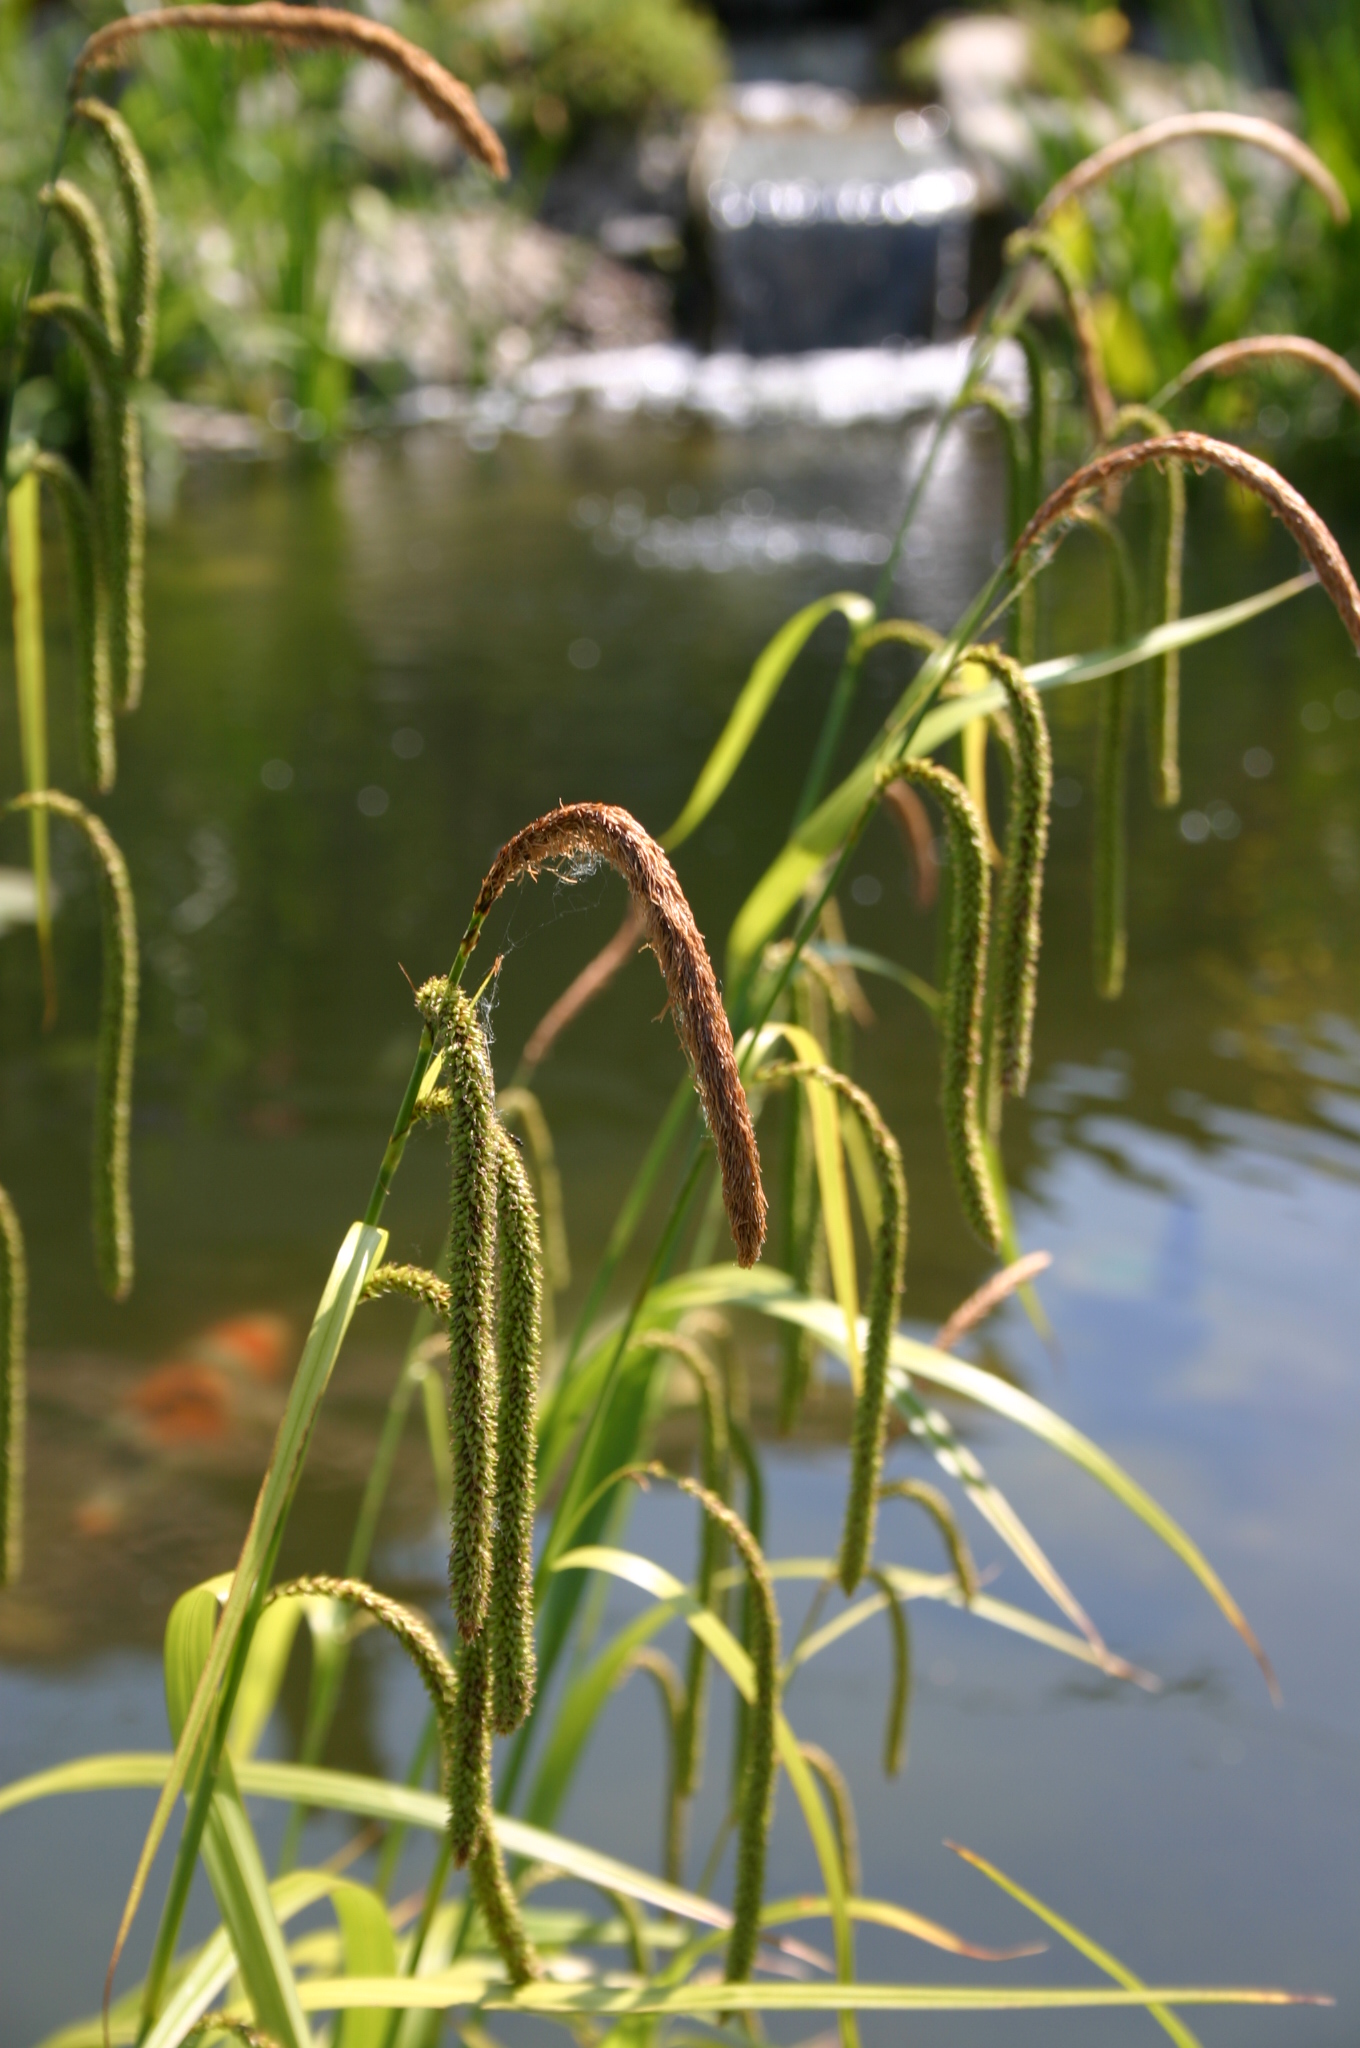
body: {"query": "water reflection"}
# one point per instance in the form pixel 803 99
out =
pixel 361 681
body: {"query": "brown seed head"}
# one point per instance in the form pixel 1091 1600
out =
pixel 605 832
pixel 312 28
pixel 1266 135
pixel 1314 537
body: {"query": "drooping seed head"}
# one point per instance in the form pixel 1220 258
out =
pixel 117 1042
pixel 990 1295
pixel 141 288
pixel 937 1507
pixel 80 217
pixel 1081 318
pixel 89 618
pixel 290 27
pixel 605 832
pixel 836 1786
pixel 1019 932
pixel 885 1293
pixel 961 1011
pixel 1314 538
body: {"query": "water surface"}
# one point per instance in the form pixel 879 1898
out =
pixel 363 677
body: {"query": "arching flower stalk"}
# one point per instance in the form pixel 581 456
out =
pixel 117 345
pixel 993 1291
pixel 289 27
pixel 937 1507
pixel 1018 928
pixel 415 1282
pixel 605 832
pixel 134 334
pixel 1164 697
pixel 117 1042
pixel 961 1008
pixel 13 1404
pixel 1231 358
pixel 1248 128
pixel 1029 242
pixel 1314 538
pixel 460 1740
pixel 757 1793
pixel 885 1292
pixel 896 1727
pixel 836 1786
pixel 1109 880
pixel 670 1691
pixel 713 1470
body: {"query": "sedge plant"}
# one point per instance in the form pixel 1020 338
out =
pixel 542 1450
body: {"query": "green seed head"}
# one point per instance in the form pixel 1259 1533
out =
pixel 117 1043
pixel 143 235
pixel 88 596
pixel 961 1017
pixel 80 217
pixel 1019 933
pixel 469 1766
pixel 510 1619
pixel 472 1239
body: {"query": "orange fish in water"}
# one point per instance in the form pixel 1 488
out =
pixel 223 1382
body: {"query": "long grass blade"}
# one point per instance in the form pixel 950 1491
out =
pixel 231 1856
pixel 30 675
pixel 363 1247
pixel 757 694
pixel 439 1994
pixel 1082 1943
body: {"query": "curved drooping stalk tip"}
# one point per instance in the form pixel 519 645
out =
pixel 116 474
pixel 1164 707
pixel 1314 538
pixel 80 217
pixel 896 1726
pixel 1248 128
pixel 937 1507
pixel 757 1789
pixel 993 1291
pixel 117 1041
pixel 961 1009
pixel 670 1691
pixel 885 1292
pixel 1029 242
pixel 470 1752
pixel 463 1740
pixel 134 334
pixel 836 1786
pixel 13 1342
pixel 1231 357
pixel 310 28
pixel 606 832
pixel 713 1459
pixel 1019 932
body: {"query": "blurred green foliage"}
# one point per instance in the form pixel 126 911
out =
pixel 253 164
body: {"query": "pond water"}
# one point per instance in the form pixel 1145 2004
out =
pixel 364 676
